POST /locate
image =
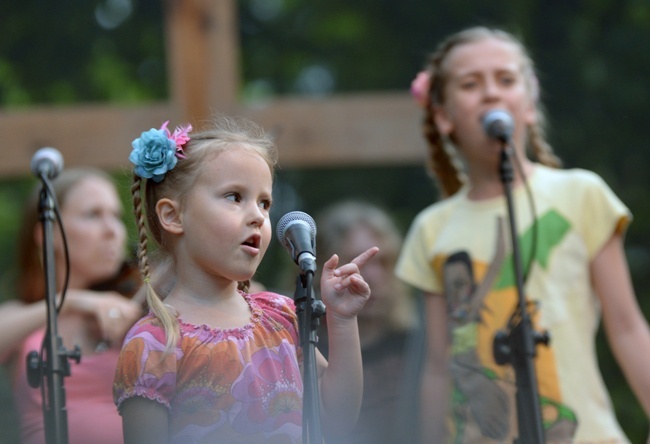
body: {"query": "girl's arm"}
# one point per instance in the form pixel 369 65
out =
pixel 625 326
pixel 435 375
pixel 144 421
pixel 344 293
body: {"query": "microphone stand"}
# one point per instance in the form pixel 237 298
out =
pixel 54 366
pixel 309 310
pixel 517 345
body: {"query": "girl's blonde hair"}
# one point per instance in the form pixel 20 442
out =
pixel 224 133
pixel 442 164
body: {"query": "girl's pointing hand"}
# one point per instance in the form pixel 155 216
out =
pixel 343 289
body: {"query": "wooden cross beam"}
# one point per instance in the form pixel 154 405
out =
pixel 203 53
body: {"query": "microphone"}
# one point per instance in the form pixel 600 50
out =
pixel 47 162
pixel 297 232
pixel 498 124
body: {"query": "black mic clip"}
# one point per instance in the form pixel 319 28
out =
pixel 307 262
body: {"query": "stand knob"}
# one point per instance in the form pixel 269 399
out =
pixel 34 369
pixel 75 355
pixel 501 348
pixel 542 338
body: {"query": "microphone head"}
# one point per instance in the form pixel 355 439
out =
pixel 498 124
pixel 289 219
pixel 48 161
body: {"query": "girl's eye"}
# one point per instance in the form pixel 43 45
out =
pixel 265 205
pixel 235 197
pixel 507 80
pixel 468 84
pixel 93 214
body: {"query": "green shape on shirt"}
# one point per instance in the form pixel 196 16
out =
pixel 465 338
pixel 552 228
pixel 563 413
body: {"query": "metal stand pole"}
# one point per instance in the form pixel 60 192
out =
pixel 309 310
pixel 517 346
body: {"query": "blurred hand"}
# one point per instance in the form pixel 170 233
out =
pixel 114 313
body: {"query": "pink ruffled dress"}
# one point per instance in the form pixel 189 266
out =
pixel 235 385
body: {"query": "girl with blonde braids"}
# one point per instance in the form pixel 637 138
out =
pixel 457 252
pixel 213 363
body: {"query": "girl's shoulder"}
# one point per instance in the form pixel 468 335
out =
pixel 271 302
pixel 567 177
pixel 147 326
pixel 275 309
pixel 437 213
pixel 575 186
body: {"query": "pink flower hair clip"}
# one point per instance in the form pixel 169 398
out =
pixel 420 88
pixel 180 137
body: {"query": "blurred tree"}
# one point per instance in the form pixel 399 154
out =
pixel 67 52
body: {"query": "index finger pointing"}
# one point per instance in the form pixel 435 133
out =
pixel 364 257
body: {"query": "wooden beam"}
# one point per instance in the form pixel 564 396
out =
pixel 85 135
pixel 202 45
pixel 358 129
pixel 371 129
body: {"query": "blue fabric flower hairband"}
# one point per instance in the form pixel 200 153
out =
pixel 156 151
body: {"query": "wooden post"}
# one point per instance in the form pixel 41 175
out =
pixel 203 56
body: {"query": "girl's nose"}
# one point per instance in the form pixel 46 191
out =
pixel 491 89
pixel 257 215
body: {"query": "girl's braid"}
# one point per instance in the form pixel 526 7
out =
pixel 153 300
pixel 143 260
pixel 542 151
pixel 440 161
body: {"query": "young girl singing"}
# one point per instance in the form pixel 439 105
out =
pixel 213 363
pixel 458 252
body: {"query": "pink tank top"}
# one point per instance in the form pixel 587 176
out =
pixel 92 415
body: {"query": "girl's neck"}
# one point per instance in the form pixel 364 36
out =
pixel 489 184
pixel 202 295
pixel 218 307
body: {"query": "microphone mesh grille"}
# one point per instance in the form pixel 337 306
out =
pixel 291 217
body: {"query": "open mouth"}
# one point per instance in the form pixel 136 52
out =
pixel 253 241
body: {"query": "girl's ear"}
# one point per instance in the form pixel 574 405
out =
pixel 169 215
pixel 442 121
pixel 531 112
pixel 531 116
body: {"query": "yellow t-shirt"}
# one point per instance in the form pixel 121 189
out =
pixel 462 249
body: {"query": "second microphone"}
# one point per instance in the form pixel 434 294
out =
pixel 297 232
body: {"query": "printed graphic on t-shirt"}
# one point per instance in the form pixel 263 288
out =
pixel 482 299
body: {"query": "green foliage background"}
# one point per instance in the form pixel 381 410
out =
pixel 592 57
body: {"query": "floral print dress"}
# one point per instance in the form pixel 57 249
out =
pixel 235 385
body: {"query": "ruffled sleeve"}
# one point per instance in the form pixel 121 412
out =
pixel 143 368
